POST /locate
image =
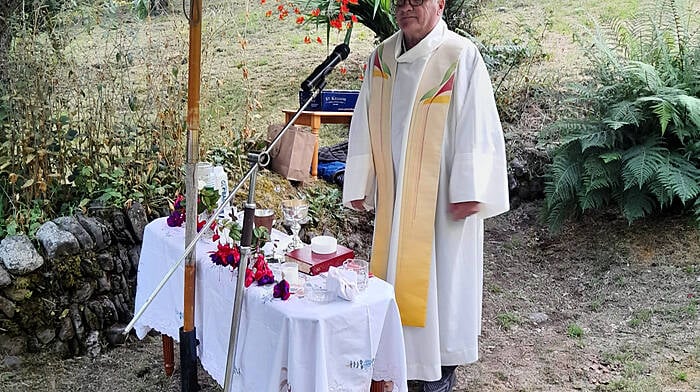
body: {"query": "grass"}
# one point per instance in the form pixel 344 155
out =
pixel 508 320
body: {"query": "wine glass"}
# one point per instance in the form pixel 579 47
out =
pixel 295 211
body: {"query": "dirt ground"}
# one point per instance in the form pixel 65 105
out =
pixel 601 306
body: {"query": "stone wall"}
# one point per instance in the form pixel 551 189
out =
pixel 74 292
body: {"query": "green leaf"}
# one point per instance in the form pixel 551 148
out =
pixel 681 178
pixel 636 205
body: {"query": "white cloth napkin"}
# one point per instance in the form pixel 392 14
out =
pixel 343 282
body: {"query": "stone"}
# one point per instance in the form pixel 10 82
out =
pixel 93 322
pixel 92 344
pixel 46 335
pixel 11 362
pixel 77 320
pixel 17 295
pixel 5 278
pixel 103 285
pixel 12 346
pixel 61 349
pixel 8 307
pixel 56 241
pixel 115 334
pixel 84 293
pixel 134 255
pixel 105 261
pixel 121 230
pixel 137 220
pixel 123 257
pixel 538 317
pixel 97 230
pixel 19 256
pixel 109 311
pixel 67 332
pixel 71 225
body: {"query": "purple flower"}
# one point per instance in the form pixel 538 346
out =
pixel 281 290
pixel 266 279
pixel 176 219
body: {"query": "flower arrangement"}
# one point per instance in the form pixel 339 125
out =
pixel 207 200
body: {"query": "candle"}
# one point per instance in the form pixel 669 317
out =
pixel 290 272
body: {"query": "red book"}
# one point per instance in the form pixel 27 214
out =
pixel 315 263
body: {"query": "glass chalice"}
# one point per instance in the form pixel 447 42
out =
pixel 295 212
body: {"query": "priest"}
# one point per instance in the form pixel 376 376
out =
pixel 426 153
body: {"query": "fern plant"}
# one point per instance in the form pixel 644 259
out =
pixel 637 144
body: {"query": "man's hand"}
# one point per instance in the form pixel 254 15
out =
pixel 463 209
pixel 358 204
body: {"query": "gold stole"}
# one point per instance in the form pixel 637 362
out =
pixel 421 172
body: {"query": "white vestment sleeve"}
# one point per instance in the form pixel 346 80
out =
pixel 360 179
pixel 478 171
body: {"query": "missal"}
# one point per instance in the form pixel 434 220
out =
pixel 315 263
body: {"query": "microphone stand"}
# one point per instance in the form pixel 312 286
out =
pixel 257 161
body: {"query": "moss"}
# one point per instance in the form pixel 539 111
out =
pixel 68 271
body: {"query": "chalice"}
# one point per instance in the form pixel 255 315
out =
pixel 295 212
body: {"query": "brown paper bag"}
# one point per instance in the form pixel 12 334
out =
pixel 291 156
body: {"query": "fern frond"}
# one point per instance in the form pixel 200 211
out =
pixel 623 113
pixel 641 162
pixel 662 195
pixel 691 106
pixel 635 205
pixel 594 199
pixel 565 176
pixel 599 174
pixel 680 177
pixel 643 74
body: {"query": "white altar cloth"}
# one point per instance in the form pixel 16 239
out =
pixel 335 347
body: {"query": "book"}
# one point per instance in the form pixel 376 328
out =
pixel 315 263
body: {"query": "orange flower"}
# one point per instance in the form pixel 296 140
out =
pixel 316 12
pixel 300 20
pixel 268 13
pixel 362 77
pixel 355 2
pixel 348 25
pixel 344 9
pixel 343 70
pixel 319 40
pixel 307 40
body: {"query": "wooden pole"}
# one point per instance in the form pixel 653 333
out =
pixel 193 88
pixel 188 338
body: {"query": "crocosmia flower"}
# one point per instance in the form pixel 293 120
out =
pixel 281 290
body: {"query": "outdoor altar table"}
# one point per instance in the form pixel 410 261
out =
pixel 334 347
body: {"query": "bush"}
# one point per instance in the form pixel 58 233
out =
pixel 636 146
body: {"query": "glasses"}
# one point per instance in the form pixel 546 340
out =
pixel 401 3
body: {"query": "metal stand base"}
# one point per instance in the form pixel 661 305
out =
pixel 188 360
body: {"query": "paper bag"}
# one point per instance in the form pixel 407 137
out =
pixel 291 156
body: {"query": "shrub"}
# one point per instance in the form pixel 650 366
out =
pixel 636 146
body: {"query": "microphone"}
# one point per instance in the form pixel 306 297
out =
pixel 339 54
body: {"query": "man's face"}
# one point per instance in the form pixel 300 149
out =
pixel 417 21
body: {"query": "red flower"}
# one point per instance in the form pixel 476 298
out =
pixel 316 12
pixel 361 77
pixel 296 11
pixel 280 8
pixel 263 1
pixel 353 18
pixel 268 13
pixel 344 9
pixel 343 70
pixel 216 236
pixel 307 40
pixel 249 279
pixel 355 2
pixel 319 40
pixel 300 20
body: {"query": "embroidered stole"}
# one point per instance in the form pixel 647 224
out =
pixel 421 171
